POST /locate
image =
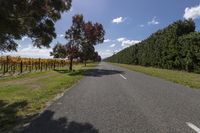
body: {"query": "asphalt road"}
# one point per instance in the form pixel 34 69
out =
pixel 111 99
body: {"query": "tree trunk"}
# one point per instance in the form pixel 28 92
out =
pixel 85 62
pixel 70 64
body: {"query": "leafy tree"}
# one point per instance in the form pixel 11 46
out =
pixel 74 38
pixel 66 51
pixel 93 34
pixel 59 51
pixel 190 51
pixel 84 36
pixel 96 57
pixel 32 18
pixel 72 53
pixel 87 52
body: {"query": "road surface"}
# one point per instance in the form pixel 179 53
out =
pixel 111 99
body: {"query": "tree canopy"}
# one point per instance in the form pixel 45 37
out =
pixel 32 18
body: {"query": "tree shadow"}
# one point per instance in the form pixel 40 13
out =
pixel 47 124
pixel 102 72
pixel 90 72
pixel 9 116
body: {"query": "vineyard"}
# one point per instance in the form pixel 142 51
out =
pixel 17 65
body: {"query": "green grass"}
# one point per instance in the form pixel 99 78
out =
pixel 181 77
pixel 23 97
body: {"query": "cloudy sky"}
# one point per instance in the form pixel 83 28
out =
pixel 126 22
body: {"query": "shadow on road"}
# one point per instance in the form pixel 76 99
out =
pixel 102 72
pixel 47 124
pixel 91 72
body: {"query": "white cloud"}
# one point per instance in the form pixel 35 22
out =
pixel 61 35
pixel 121 39
pixel 32 52
pixel 108 53
pixel 105 54
pixel 118 50
pixel 126 42
pixel 24 38
pixel 154 21
pixel 193 12
pixel 118 20
pixel 108 50
pixel 71 9
pixel 112 45
pixel 107 40
pixel 141 25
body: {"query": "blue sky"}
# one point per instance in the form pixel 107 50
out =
pixel 126 22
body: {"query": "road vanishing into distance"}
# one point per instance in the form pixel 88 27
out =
pixel 112 99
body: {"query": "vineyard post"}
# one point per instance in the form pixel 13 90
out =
pixel 39 64
pixel 54 65
pixel 7 63
pixel 4 68
pixel 14 67
pixel 35 66
pixel 32 65
pixel 21 67
pixel 29 65
pixel 1 63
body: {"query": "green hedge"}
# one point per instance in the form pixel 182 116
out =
pixel 174 47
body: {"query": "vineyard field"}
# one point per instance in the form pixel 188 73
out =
pixel 18 65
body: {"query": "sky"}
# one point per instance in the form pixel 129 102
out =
pixel 126 22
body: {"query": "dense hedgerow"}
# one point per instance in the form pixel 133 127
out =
pixel 174 47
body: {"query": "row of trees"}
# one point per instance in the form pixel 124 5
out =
pixel 82 37
pixel 174 47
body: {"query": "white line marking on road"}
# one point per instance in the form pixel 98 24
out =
pixel 123 76
pixel 195 128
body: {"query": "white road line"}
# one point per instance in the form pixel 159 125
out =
pixel 195 128
pixel 123 76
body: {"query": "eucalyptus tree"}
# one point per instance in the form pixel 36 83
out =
pixel 93 34
pixel 85 35
pixel 32 18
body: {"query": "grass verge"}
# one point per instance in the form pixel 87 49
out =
pixel 187 79
pixel 23 97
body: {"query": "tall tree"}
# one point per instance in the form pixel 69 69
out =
pixel 72 53
pixel 93 34
pixel 73 36
pixel 96 57
pixel 31 18
pixel 87 52
pixel 66 51
pixel 84 36
pixel 59 51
